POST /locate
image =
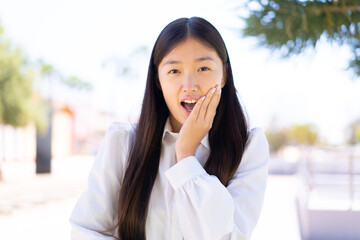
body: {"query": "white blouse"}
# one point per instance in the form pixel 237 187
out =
pixel 186 202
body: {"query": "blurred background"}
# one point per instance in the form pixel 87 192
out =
pixel 70 68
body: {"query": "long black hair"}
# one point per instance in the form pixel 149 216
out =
pixel 227 137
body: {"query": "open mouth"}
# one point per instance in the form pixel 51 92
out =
pixel 188 104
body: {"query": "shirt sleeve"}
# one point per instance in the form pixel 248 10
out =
pixel 206 209
pixel 96 209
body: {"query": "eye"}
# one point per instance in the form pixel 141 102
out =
pixel 202 69
pixel 173 71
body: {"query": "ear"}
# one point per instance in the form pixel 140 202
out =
pixel 222 82
pixel 225 70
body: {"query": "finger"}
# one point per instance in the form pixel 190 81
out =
pixel 195 112
pixel 211 109
pixel 205 103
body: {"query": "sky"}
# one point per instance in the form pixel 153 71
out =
pixel 89 39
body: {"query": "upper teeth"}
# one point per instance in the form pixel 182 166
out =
pixel 190 101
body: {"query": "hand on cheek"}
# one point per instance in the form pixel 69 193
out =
pixel 198 124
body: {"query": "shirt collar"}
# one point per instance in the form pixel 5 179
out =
pixel 169 133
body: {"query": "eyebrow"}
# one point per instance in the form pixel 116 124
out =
pixel 170 61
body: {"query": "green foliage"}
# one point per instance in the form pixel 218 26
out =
pixel 47 70
pixel 296 135
pixel 357 134
pixel 303 134
pixel 18 104
pixel 292 26
pixel 41 114
pixel 276 139
pixel 16 86
pixel 75 82
pixel 353 132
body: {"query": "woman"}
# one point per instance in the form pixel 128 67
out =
pixel 189 169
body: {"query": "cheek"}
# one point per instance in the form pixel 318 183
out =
pixel 169 97
pixel 167 86
pixel 211 80
pixel 168 91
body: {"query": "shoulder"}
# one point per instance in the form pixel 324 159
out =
pixel 256 150
pixel 118 137
pixel 256 138
pixel 114 148
pixel 120 130
pixel 120 127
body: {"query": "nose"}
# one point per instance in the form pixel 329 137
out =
pixel 189 83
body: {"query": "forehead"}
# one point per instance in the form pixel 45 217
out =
pixel 190 50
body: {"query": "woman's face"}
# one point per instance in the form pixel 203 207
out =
pixel 186 74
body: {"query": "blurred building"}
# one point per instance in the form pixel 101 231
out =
pixel 75 130
pixel 17 144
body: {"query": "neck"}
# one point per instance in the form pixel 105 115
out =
pixel 175 125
